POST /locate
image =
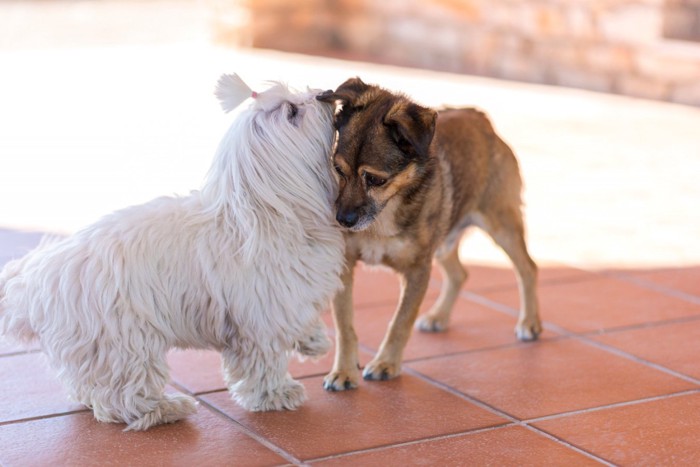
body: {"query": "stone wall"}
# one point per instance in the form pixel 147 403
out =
pixel 643 48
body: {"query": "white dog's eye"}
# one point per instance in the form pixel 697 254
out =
pixel 292 112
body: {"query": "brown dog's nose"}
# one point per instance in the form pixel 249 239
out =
pixel 325 96
pixel 347 219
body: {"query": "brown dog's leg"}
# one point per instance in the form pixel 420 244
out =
pixel 346 367
pixel 508 232
pixel 453 276
pixel 387 363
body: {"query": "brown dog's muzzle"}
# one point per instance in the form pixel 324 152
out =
pixel 347 218
pixel 326 96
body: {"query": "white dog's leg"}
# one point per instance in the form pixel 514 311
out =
pixel 258 379
pixel 131 390
pixel 169 409
pixel 316 343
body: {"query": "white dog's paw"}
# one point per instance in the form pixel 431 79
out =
pixel 315 345
pixel 171 408
pixel 289 396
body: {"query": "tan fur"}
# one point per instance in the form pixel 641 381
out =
pixel 411 180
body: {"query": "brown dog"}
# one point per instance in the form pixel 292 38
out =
pixel 411 180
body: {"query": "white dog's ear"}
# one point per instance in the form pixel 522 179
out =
pixel 232 91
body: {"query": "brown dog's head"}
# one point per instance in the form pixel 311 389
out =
pixel 383 149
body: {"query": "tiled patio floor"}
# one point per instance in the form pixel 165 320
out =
pixel 614 379
pixel 612 200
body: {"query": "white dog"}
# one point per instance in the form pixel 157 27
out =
pixel 244 266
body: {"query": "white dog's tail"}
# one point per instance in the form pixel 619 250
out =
pixel 14 322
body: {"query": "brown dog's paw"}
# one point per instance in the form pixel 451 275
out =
pixel 381 371
pixel 429 323
pixel 341 380
pixel 528 331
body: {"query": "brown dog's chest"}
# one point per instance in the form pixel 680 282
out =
pixel 386 242
pixel 389 251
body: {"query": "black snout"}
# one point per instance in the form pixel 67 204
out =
pixel 347 219
pixel 326 96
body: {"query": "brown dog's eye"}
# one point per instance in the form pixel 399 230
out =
pixel 373 180
pixel 339 171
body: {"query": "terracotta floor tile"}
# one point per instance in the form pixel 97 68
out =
pixel 472 326
pixel 205 439
pixel 376 414
pixel 682 279
pixel 374 285
pixel 502 446
pixel 660 432
pixel 200 370
pixel 196 370
pixel 488 278
pixel 675 346
pixel 603 303
pixel 549 377
pixel 379 285
pixel 30 389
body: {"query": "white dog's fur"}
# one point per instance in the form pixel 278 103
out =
pixel 244 266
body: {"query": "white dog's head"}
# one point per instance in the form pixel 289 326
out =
pixel 272 168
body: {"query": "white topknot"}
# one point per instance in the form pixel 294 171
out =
pixel 231 91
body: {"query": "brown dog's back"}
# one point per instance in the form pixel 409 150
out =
pixel 482 168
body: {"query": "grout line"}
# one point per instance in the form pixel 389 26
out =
pixel 209 391
pixel 461 395
pixel 562 334
pixel 393 303
pixel 43 417
pixel 641 282
pixel 646 325
pixel 512 419
pixel 481 300
pixel 179 387
pixel 612 406
pixel 20 352
pixel 207 406
pixel 569 445
pixel 252 434
pixel 412 442
pixel 568 279
pixel 634 358
pixel 477 350
pixel 584 337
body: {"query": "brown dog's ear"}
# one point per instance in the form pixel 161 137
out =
pixel 412 127
pixel 346 93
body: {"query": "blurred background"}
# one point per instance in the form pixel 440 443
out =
pixel 644 48
pixel 107 103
